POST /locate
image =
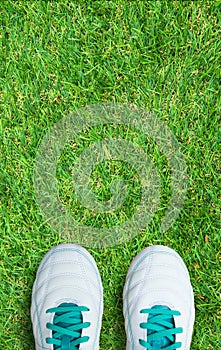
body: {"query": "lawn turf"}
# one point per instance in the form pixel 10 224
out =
pixel 59 56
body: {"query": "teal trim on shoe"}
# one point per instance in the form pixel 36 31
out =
pixel 67 327
pixel 160 328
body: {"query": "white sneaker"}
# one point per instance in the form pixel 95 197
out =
pixel 67 300
pixel 158 301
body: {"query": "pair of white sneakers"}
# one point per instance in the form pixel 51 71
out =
pixel 67 301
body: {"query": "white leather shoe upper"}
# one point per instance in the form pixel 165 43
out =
pixel 157 276
pixel 67 274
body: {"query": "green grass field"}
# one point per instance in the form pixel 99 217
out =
pixel 58 56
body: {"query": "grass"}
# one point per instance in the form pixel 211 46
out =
pixel 59 56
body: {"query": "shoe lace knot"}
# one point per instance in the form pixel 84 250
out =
pixel 67 327
pixel 160 328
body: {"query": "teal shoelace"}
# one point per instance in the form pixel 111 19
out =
pixel 160 328
pixel 67 327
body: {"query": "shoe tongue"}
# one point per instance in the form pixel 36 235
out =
pixel 66 342
pixel 164 341
pixel 66 339
pixel 160 344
